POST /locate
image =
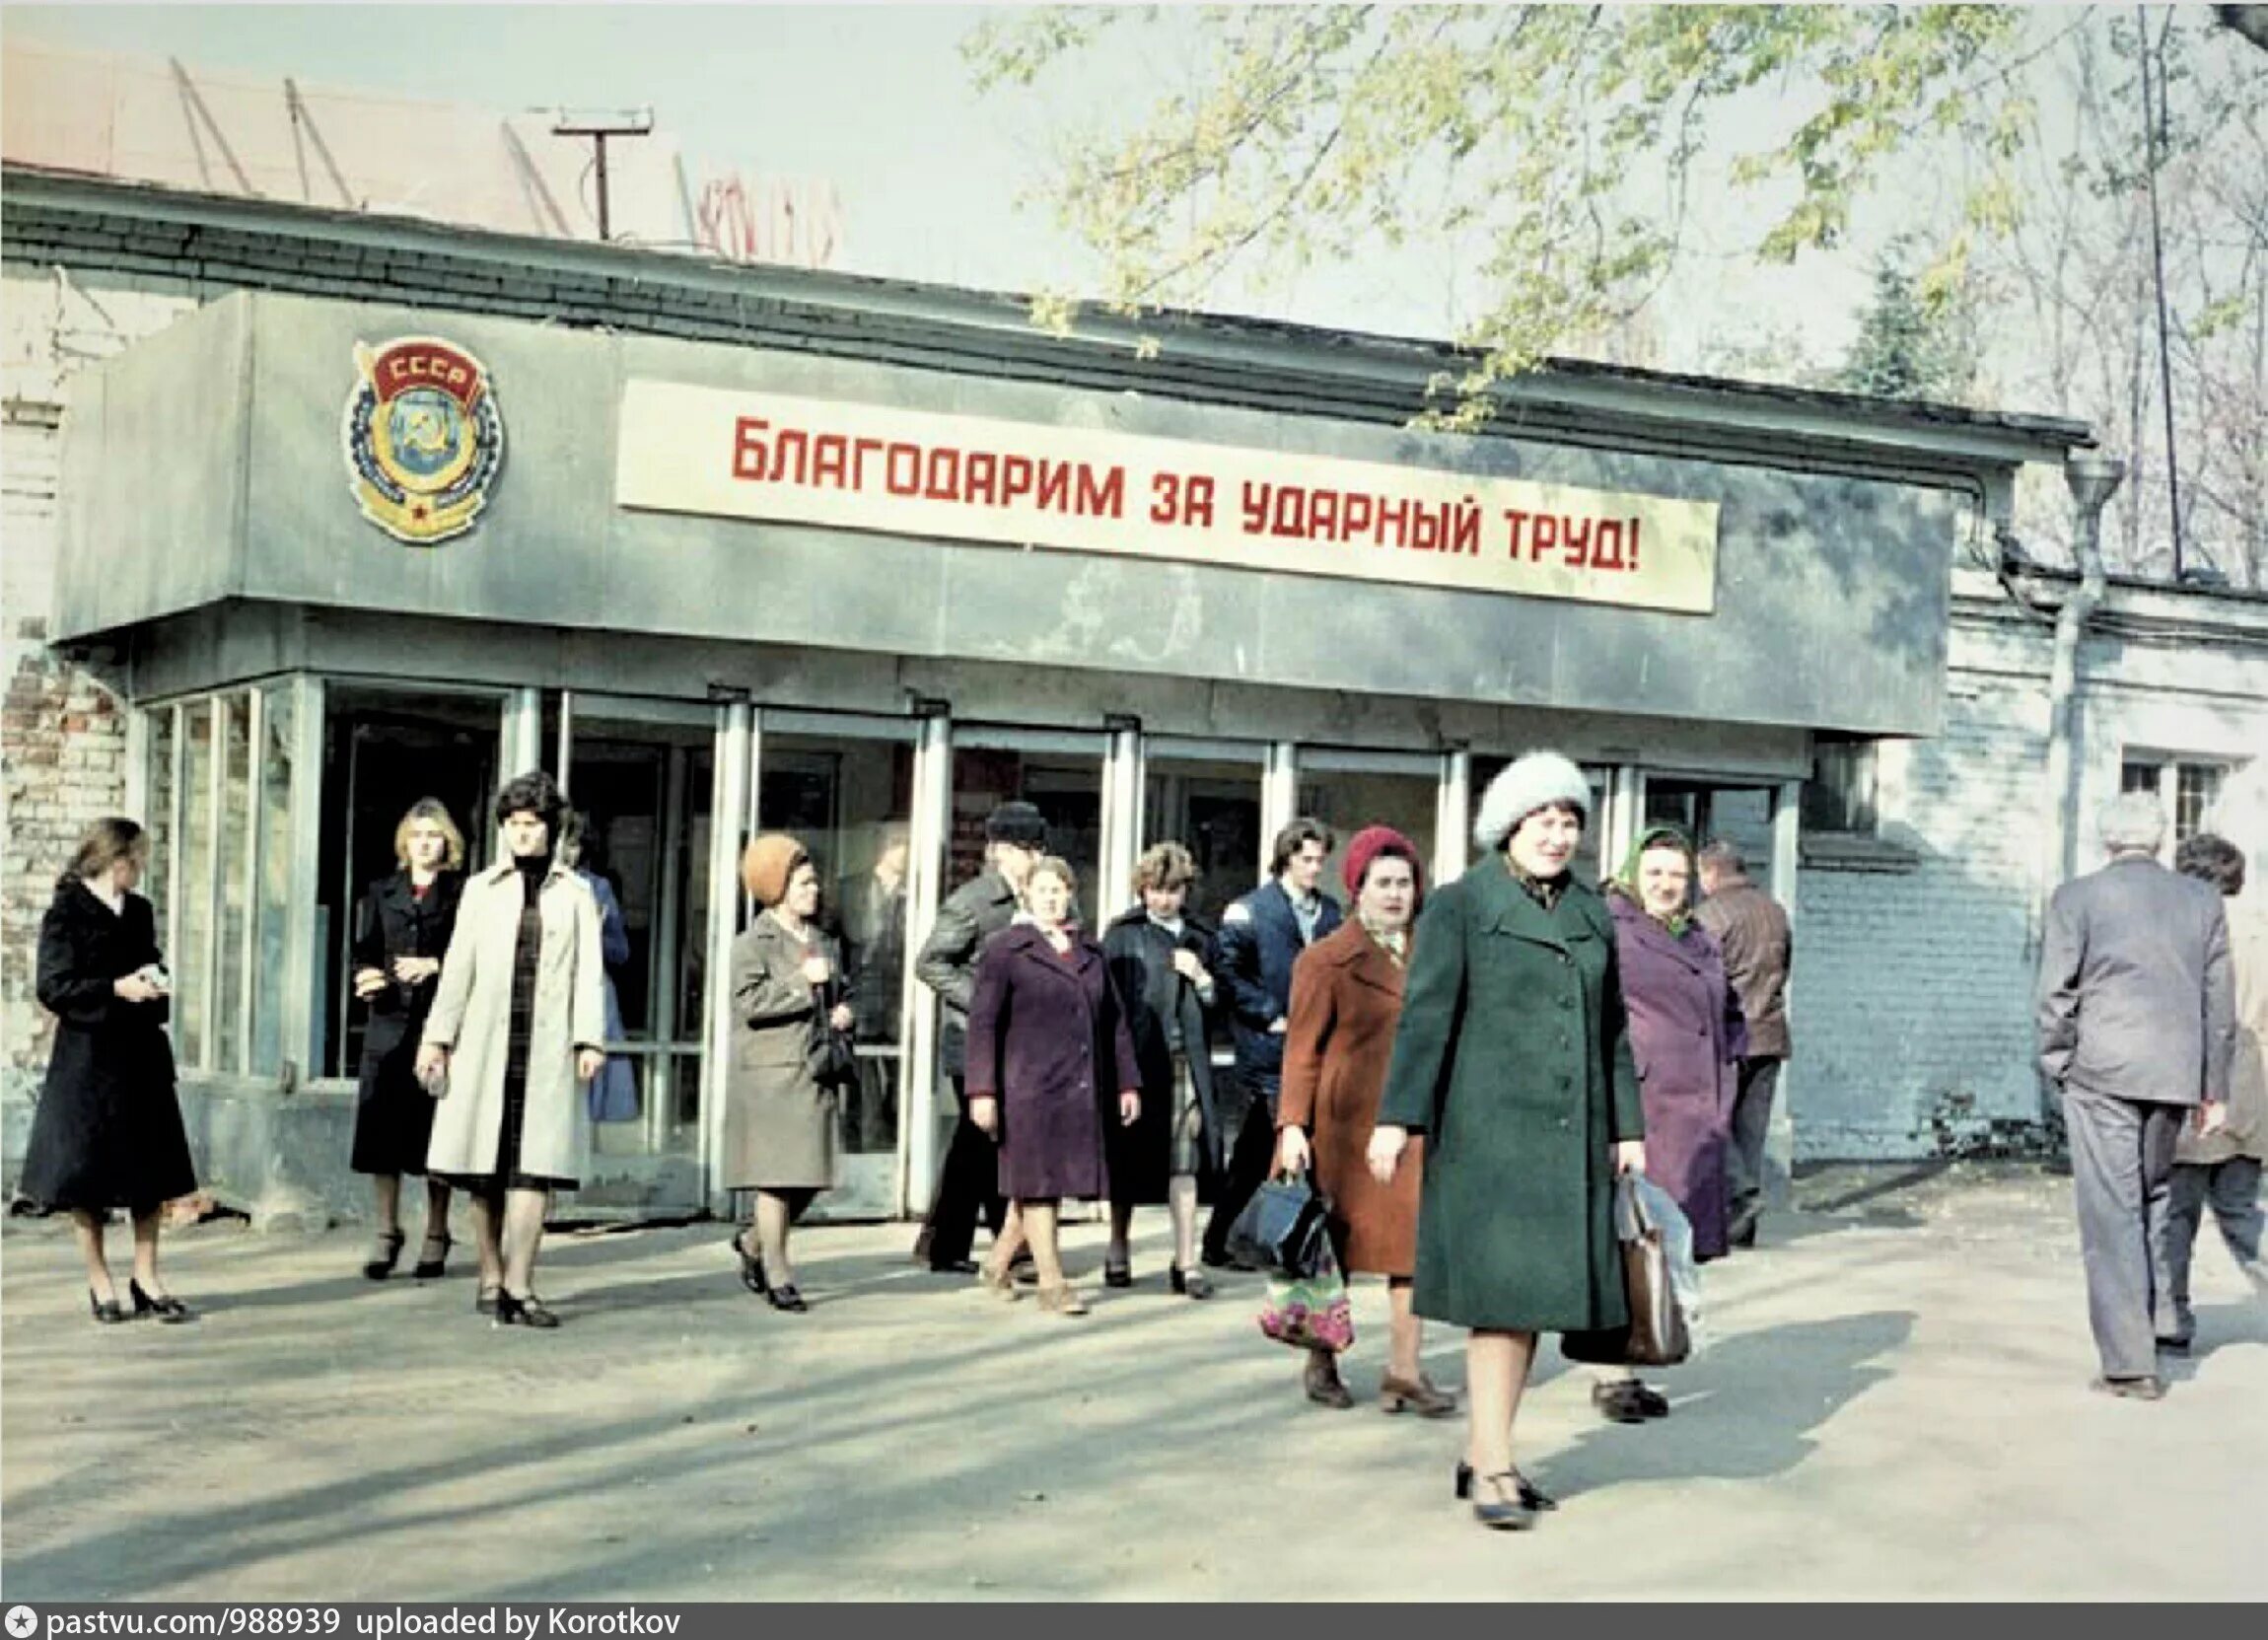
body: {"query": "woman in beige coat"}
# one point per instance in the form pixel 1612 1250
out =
pixel 779 1118
pixel 519 1024
pixel 2222 1169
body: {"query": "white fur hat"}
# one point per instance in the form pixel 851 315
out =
pixel 1533 781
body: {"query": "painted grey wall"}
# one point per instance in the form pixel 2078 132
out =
pixel 1832 592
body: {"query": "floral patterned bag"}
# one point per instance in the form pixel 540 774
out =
pixel 1309 1312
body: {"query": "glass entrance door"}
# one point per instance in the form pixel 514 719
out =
pixel 843 786
pixel 642 775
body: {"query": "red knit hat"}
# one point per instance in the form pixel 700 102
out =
pixel 1367 846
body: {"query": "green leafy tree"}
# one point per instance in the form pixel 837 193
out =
pixel 1557 142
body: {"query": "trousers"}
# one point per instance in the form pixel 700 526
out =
pixel 968 1188
pixel 1744 1156
pixel 1251 1160
pixel 2231 1188
pixel 2121 1175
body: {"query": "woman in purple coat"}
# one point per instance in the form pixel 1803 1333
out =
pixel 1048 1048
pixel 1687 1036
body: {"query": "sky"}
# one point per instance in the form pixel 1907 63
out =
pixel 877 99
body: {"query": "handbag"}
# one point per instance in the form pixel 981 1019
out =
pixel 1282 1229
pixel 1656 1335
pixel 829 1059
pixel 1309 1312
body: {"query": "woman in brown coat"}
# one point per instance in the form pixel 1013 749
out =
pixel 779 1119
pixel 1346 1000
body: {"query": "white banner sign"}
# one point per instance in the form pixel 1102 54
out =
pixel 909 472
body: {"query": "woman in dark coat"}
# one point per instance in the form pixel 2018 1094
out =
pixel 1047 1047
pixel 1161 966
pixel 1513 1058
pixel 1687 1037
pixel 108 1130
pixel 400 936
pixel 1346 1000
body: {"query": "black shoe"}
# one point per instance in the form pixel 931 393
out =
pixel 384 1255
pixel 484 1301
pixel 1190 1283
pixel 1507 1509
pixel 2173 1346
pixel 1531 1494
pixel 1117 1275
pixel 1651 1401
pixel 958 1266
pixel 105 1311
pixel 526 1312
pixel 752 1266
pixel 2148 1386
pixel 431 1270
pixel 1213 1258
pixel 1743 1234
pixel 1618 1402
pixel 786 1298
pixel 167 1309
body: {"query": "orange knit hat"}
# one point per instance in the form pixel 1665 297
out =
pixel 767 863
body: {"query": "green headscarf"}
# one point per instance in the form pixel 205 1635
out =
pixel 1626 881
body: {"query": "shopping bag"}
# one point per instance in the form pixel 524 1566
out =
pixel 1281 1229
pixel 1310 1312
pixel 1656 1334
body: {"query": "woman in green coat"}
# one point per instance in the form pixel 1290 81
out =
pixel 1512 1059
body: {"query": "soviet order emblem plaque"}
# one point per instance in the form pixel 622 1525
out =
pixel 424 438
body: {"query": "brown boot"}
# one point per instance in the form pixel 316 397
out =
pixel 1322 1381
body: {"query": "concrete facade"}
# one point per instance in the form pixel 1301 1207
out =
pixel 1927 925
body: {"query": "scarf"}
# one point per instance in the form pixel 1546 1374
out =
pixel 1625 882
pixel 1544 890
pixel 1395 943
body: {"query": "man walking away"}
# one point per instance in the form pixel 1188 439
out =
pixel 1015 837
pixel 1262 936
pixel 2136 1016
pixel 1752 930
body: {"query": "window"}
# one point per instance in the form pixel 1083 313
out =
pixel 1839 796
pixel 2186 788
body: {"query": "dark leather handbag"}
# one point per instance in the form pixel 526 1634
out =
pixel 1656 1334
pixel 830 1060
pixel 1282 1229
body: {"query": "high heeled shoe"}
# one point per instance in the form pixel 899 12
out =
pixel 519 1311
pixel 107 1310
pixel 1190 1283
pixel 786 1298
pixel 752 1266
pixel 430 1262
pixel 1529 1493
pixel 1505 1508
pixel 384 1254
pixel 164 1305
pixel 1420 1396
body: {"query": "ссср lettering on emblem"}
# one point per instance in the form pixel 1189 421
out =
pixel 424 438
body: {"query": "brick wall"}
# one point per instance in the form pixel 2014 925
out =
pixel 1912 989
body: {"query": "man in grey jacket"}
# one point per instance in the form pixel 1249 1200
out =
pixel 2137 1021
pixel 1015 837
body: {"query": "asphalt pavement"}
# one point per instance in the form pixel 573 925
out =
pixel 1892 1403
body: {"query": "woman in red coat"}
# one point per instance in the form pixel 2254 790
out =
pixel 1048 1050
pixel 1687 1036
pixel 1339 1040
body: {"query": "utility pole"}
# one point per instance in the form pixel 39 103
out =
pixel 2150 135
pixel 598 126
